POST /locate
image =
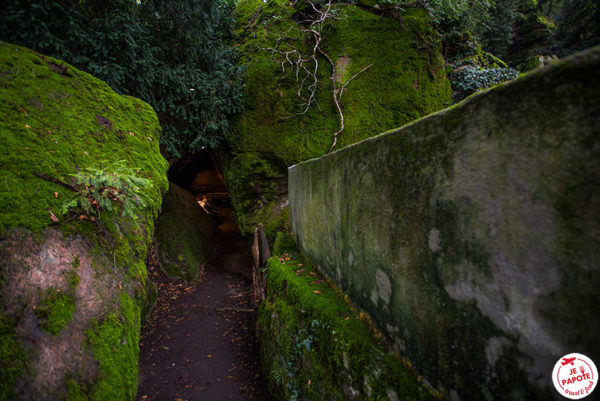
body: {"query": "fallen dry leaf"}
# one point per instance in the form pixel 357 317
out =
pixel 53 217
pixel 317 292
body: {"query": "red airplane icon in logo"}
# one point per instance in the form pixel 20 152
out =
pixel 566 361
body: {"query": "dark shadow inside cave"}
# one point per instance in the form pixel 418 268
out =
pixel 201 174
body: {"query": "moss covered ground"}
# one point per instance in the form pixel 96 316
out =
pixel 54 122
pixel 316 346
pixel 406 81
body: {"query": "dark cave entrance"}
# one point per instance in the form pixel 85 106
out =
pixel 201 174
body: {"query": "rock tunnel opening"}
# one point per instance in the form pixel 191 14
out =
pixel 199 341
pixel 202 176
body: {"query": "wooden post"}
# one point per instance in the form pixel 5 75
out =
pixel 256 277
pixel 265 252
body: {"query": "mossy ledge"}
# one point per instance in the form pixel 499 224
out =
pixel 470 236
pixel 406 81
pixel 316 346
pixel 72 290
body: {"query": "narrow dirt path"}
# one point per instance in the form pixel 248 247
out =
pixel 198 344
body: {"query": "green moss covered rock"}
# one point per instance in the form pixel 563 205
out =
pixel 316 346
pixel 72 285
pixel 185 234
pixel 406 81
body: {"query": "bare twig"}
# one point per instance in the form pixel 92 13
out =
pixel 351 78
pixel 337 97
pixel 54 180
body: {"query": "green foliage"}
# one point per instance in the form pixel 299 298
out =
pixel 106 188
pixel 490 23
pixel 511 28
pixel 468 79
pixel 493 24
pixel 173 55
pixel 457 19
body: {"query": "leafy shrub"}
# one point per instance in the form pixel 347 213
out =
pixel 468 79
pixel 173 55
pixel 116 186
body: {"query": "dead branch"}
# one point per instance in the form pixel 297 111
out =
pixel 337 97
pixel 54 180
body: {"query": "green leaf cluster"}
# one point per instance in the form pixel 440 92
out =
pixel 173 55
pixel 108 188
pixel 505 27
pixel 468 79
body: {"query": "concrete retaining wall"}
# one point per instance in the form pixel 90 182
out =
pixel 472 236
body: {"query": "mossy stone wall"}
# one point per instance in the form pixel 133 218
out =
pixel 471 236
pixel 406 81
pixel 316 346
pixel 72 291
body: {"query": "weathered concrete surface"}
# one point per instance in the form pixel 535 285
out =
pixel 472 235
pixel 185 235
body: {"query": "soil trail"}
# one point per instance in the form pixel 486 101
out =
pixel 199 341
